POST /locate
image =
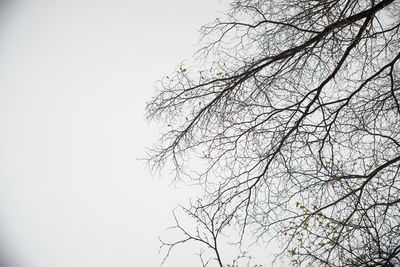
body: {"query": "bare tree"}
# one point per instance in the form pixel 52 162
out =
pixel 289 119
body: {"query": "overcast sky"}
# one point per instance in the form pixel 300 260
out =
pixel 74 79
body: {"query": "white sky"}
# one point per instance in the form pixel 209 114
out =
pixel 74 79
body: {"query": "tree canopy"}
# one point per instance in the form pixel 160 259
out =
pixel 289 119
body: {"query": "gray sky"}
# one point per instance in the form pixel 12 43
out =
pixel 74 79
